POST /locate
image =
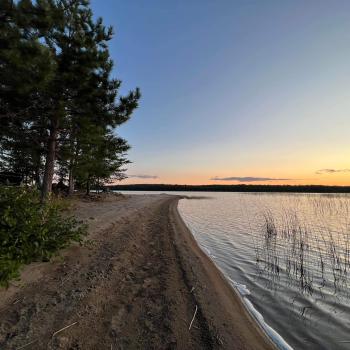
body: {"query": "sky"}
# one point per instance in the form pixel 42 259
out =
pixel 234 91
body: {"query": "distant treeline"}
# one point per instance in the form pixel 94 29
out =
pixel 233 188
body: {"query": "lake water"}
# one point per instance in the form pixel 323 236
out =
pixel 287 254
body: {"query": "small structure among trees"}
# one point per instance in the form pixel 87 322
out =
pixel 59 105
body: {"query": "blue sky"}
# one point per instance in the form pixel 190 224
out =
pixel 234 88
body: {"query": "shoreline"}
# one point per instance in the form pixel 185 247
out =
pixel 240 291
pixel 230 303
pixel 141 282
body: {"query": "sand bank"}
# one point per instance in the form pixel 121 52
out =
pixel 136 285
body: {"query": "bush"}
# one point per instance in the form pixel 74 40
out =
pixel 31 231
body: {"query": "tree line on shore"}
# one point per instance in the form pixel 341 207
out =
pixel 233 188
pixel 59 104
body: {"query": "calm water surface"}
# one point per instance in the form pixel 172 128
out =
pixel 291 251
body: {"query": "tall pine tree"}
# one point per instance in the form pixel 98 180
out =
pixel 58 96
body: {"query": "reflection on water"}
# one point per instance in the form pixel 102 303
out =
pixel 292 251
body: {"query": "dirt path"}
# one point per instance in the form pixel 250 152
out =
pixel 131 288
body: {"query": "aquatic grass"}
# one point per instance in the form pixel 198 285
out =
pixel 310 256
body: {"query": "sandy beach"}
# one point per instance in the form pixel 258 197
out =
pixel 139 282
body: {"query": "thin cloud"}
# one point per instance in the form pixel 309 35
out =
pixel 141 176
pixel 332 171
pixel 247 179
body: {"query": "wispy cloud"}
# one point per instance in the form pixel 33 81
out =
pixel 247 179
pixel 141 176
pixel 332 171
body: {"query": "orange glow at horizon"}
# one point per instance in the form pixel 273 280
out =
pixel 326 180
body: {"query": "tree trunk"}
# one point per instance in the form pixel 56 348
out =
pixel 74 146
pixel 37 177
pixel 70 181
pixel 49 163
pixel 88 186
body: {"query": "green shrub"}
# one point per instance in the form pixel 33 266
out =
pixel 31 231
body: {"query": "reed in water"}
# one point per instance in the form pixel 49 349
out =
pixel 310 253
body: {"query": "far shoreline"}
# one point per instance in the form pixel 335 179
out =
pixel 315 189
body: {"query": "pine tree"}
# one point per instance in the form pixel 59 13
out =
pixel 100 159
pixel 26 69
pixel 58 102
pixel 84 92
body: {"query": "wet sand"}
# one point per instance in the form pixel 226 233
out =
pixel 136 284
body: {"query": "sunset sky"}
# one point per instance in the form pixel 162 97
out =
pixel 235 91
